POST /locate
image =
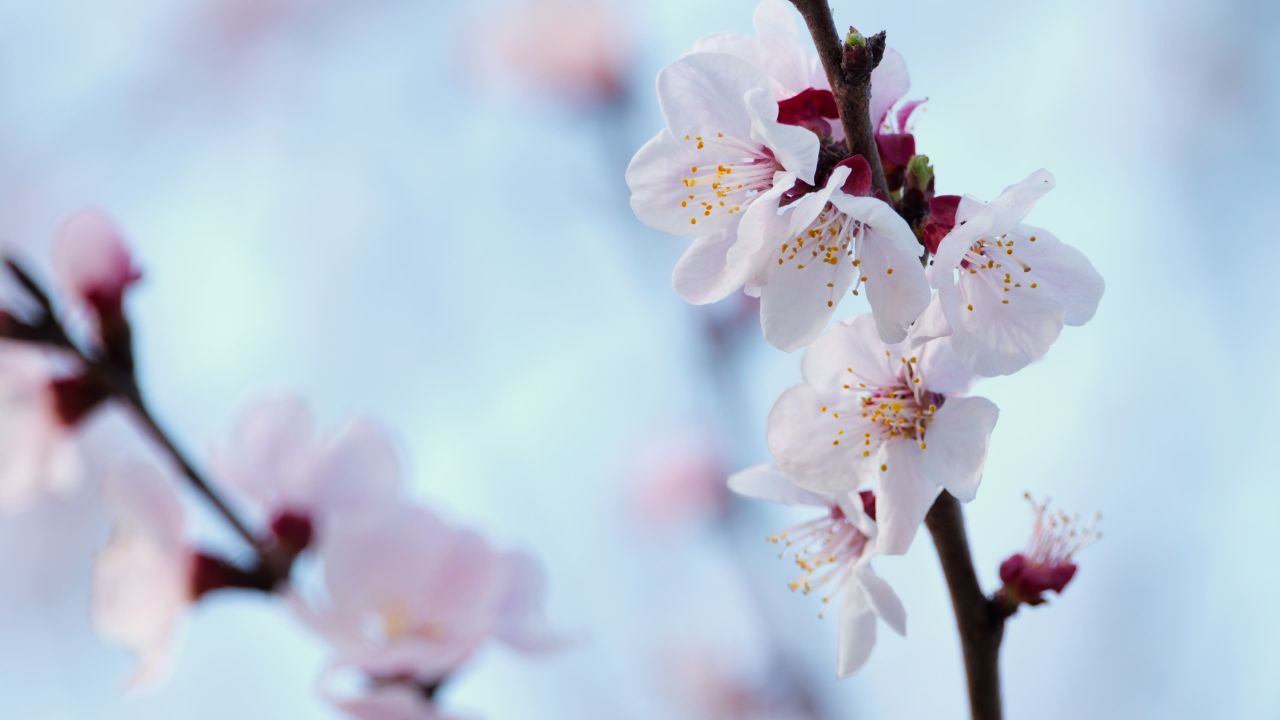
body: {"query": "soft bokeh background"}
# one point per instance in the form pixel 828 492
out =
pixel 415 210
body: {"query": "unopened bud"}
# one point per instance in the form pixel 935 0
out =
pixel 919 172
pixel 854 39
pixel 293 531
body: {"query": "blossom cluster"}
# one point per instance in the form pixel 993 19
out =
pixel 401 596
pixel 754 168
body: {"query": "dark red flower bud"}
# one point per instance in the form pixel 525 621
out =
pixel 293 531
pixel 210 573
pixel 77 396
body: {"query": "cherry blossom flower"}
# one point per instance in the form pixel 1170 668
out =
pixel 830 242
pixel 41 411
pixel 1048 562
pixel 93 264
pixel 1018 284
pixel 278 459
pixel 719 151
pixel 143 577
pixel 408 598
pixel 834 551
pixel 897 413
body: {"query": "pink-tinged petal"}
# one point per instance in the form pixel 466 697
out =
pixel 701 275
pixel 850 353
pixel 359 468
pixel 765 482
pixel 142 577
pixel 896 287
pixel 857 633
pixel 659 197
pixel 796 148
pixel 784 50
pixel 91 260
pixel 889 84
pixel 882 598
pixel 932 323
pixel 905 113
pixel 957 442
pixel 995 338
pixel 973 220
pixel 799 297
pixel 522 622
pixel 271 443
pixel 740 45
pixel 941 369
pixel 762 226
pixel 1063 272
pixel 904 496
pixel 1016 201
pixel 808 445
pixel 704 93
pixel 38 451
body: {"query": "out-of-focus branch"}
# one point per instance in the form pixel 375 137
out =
pixel 848 66
pixel 980 621
pixel 121 383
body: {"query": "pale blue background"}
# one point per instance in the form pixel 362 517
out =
pixel 351 211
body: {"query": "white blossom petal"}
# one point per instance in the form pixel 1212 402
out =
pixel 857 633
pixel 904 496
pixel 766 482
pixel 957 441
pixel 896 287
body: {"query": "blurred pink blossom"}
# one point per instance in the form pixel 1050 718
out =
pixel 408 598
pixel 678 477
pixel 278 459
pixel 38 448
pixel 572 49
pixel 142 578
pixel 93 264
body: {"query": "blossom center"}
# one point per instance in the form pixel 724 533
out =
pixel 725 186
pixel 903 410
pixel 826 549
pixel 829 240
pixel 996 260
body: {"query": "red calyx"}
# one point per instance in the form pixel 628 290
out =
pixel 810 109
pixel 941 220
pixel 896 150
pixel 868 499
pixel 293 531
pixel 859 180
pixel 77 396
pixel 1027 582
pixel 210 572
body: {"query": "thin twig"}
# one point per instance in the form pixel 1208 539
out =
pixel 122 384
pixel 848 70
pixel 979 621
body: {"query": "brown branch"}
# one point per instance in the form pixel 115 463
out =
pixel 848 69
pixel 979 620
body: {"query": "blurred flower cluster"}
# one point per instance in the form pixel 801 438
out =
pixel 402 596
